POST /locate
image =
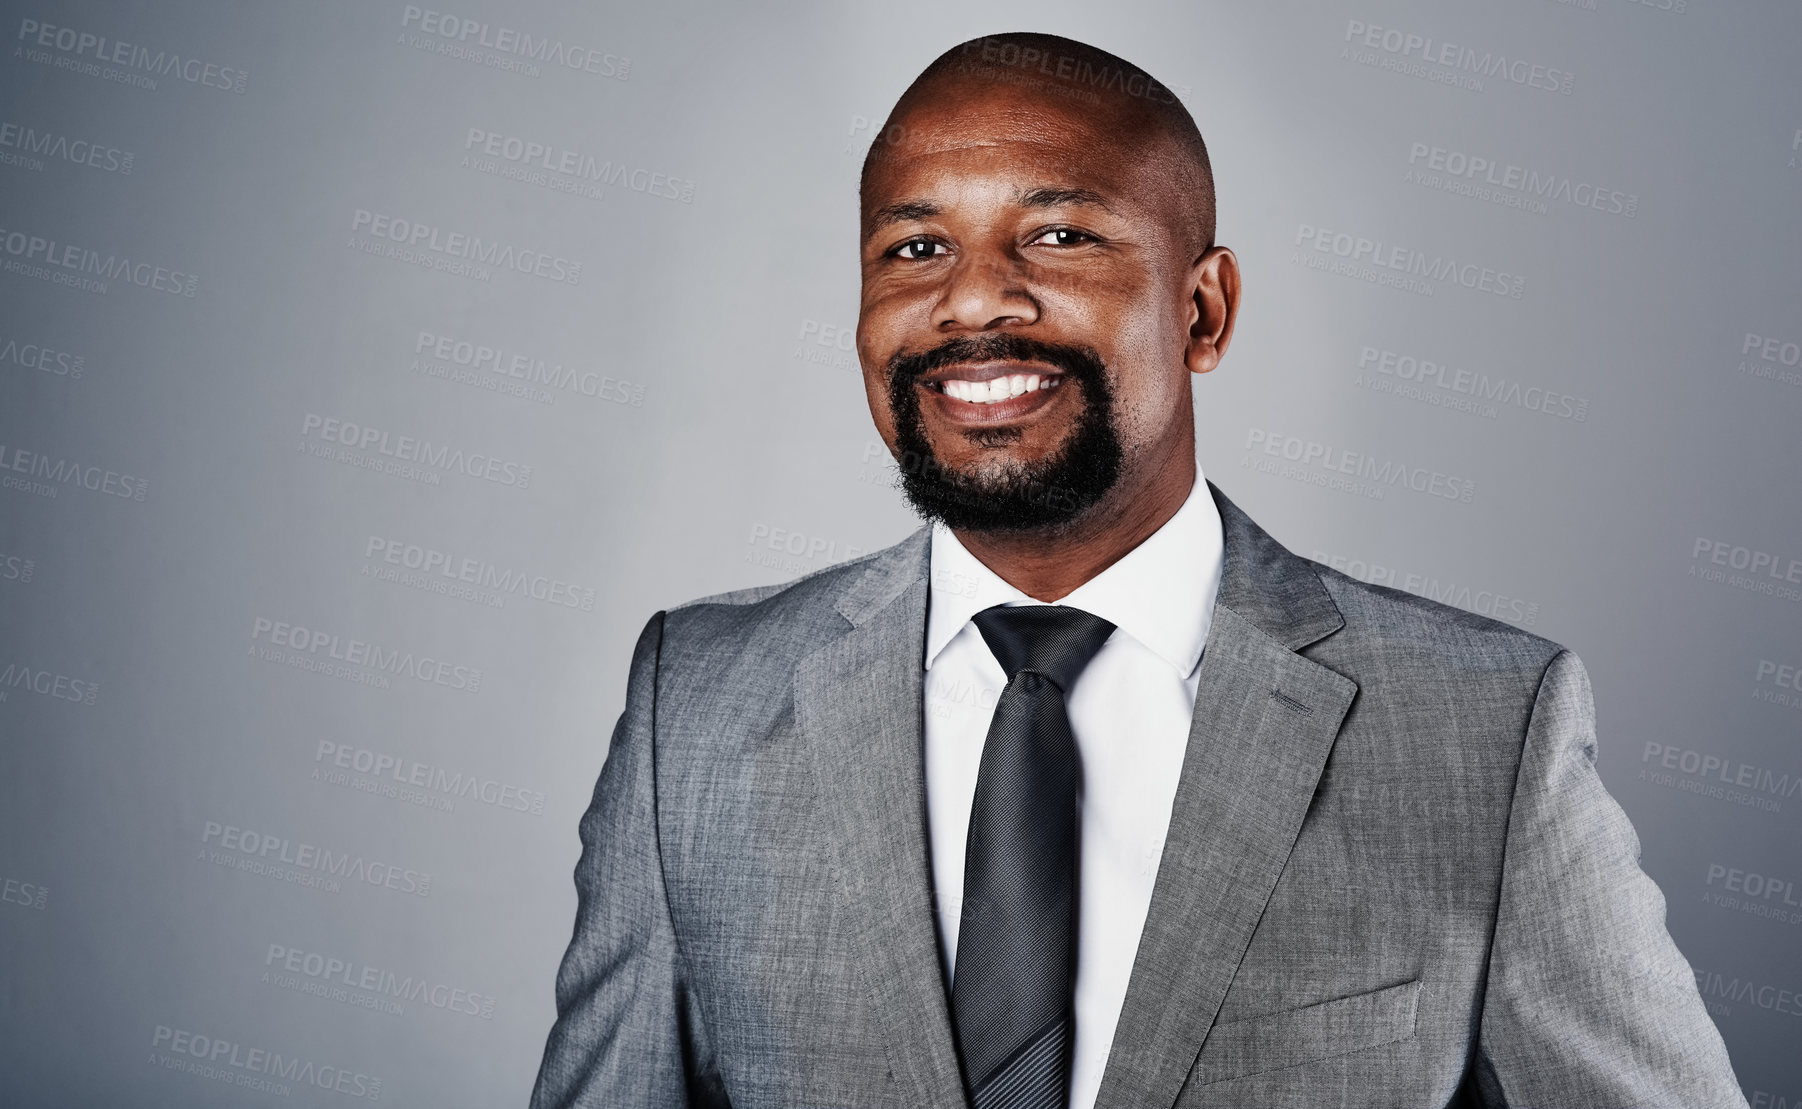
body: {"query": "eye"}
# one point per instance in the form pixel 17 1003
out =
pixel 920 250
pixel 1062 236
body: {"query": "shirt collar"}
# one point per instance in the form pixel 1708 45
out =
pixel 1161 592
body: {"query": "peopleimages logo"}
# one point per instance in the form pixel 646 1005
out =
pixel 99 56
pixel 16 568
pixel 455 252
pixel 1430 381
pixel 1777 359
pixel 505 48
pixel 45 475
pixel 1484 602
pixel 1785 676
pixel 31 895
pixel 356 983
pixel 1773 999
pixel 801 545
pixel 1071 70
pixel 23 677
pixel 354 659
pixel 517 374
pixel 254 1068
pixel 830 345
pixel 284 858
pixel 80 267
pixel 1724 779
pixel 1510 185
pixel 405 456
pixel 437 571
pixel 27 147
pixel 415 782
pixel 1758 894
pixel 43 358
pixel 1766 572
pixel 565 170
pixel 1391 264
pixel 1349 471
pixel 1435 59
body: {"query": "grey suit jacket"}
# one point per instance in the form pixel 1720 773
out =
pixel 1392 876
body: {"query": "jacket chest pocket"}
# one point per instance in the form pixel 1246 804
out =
pixel 1314 1032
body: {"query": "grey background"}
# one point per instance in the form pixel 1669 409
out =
pixel 730 446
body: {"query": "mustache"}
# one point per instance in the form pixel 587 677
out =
pixel 1079 362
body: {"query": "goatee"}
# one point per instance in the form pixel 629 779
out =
pixel 996 497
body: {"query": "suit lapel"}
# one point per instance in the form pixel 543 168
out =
pixel 1265 720
pixel 858 708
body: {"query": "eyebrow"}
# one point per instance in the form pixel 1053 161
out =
pixel 902 212
pixel 1048 197
pixel 1055 198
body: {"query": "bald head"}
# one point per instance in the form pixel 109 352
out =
pixel 1018 76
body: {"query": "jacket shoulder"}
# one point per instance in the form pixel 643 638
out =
pixel 1404 625
pixel 726 661
pixel 801 598
pixel 769 628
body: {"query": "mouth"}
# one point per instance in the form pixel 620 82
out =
pixel 990 392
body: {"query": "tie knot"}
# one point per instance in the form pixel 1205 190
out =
pixel 1052 640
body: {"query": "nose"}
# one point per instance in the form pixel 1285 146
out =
pixel 984 290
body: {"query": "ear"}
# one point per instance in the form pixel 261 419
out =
pixel 1214 304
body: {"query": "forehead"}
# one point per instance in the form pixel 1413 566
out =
pixel 967 134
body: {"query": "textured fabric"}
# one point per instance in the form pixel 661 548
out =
pixel 1016 966
pixel 1034 1076
pixel 1392 876
pixel 1130 710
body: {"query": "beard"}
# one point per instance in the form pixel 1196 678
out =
pixel 1004 496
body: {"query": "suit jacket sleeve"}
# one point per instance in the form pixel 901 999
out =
pixel 1588 1000
pixel 628 1030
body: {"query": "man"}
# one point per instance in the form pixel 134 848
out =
pixel 1091 793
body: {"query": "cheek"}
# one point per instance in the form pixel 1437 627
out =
pixel 875 390
pixel 875 381
pixel 890 308
pixel 884 323
pixel 1151 383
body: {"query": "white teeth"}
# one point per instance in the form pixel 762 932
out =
pixel 995 389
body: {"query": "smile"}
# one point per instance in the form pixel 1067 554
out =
pixel 994 390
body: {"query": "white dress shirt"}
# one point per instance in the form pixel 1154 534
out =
pixel 1130 710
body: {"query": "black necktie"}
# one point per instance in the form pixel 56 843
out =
pixel 1012 988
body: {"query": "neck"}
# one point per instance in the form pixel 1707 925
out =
pixel 1049 565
